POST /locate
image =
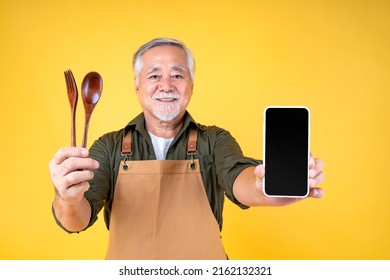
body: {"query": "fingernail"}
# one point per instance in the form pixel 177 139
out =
pixel 84 152
pixel 318 193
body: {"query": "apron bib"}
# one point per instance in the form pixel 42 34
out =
pixel 161 211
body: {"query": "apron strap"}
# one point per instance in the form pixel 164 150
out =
pixel 192 141
pixel 191 146
pixel 126 144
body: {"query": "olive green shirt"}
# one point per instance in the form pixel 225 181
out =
pixel 220 157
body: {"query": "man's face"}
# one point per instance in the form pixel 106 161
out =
pixel 165 88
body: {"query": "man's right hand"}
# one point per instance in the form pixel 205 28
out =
pixel 70 169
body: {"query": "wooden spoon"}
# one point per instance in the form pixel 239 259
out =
pixel 91 90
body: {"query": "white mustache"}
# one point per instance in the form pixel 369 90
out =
pixel 166 95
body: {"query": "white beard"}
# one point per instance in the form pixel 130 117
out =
pixel 166 111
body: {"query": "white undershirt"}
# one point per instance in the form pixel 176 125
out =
pixel 160 145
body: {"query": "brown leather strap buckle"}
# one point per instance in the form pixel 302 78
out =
pixel 192 141
pixel 191 147
pixel 126 149
pixel 126 144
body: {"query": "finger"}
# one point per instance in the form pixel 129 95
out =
pixel 67 152
pixel 78 190
pixel 316 193
pixel 73 164
pixel 312 162
pixel 70 165
pixel 319 178
pixel 75 192
pixel 78 177
pixel 316 168
pixel 62 183
pixel 319 165
pixel 260 171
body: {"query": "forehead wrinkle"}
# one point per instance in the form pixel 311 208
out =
pixel 179 68
pixel 176 68
pixel 153 69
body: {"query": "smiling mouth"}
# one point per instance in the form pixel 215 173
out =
pixel 166 97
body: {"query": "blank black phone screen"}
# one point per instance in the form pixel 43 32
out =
pixel 286 151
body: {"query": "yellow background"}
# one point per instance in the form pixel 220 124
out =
pixel 331 56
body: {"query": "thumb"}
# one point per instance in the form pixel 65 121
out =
pixel 260 171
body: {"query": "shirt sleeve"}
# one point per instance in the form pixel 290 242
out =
pixel 230 161
pixel 100 185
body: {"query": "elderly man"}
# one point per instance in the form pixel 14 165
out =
pixel 162 178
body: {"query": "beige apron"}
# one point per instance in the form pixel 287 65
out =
pixel 161 211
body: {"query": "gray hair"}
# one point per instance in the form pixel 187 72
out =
pixel 137 59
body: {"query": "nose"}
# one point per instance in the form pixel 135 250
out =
pixel 165 84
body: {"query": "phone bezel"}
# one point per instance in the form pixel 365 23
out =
pixel 264 146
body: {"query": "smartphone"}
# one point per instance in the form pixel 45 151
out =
pixel 286 151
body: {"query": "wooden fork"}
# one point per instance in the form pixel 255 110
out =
pixel 73 97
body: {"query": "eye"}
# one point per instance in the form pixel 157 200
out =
pixel 154 77
pixel 177 76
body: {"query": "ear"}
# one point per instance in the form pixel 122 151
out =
pixel 136 85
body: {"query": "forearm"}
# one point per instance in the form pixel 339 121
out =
pixel 72 216
pixel 248 190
